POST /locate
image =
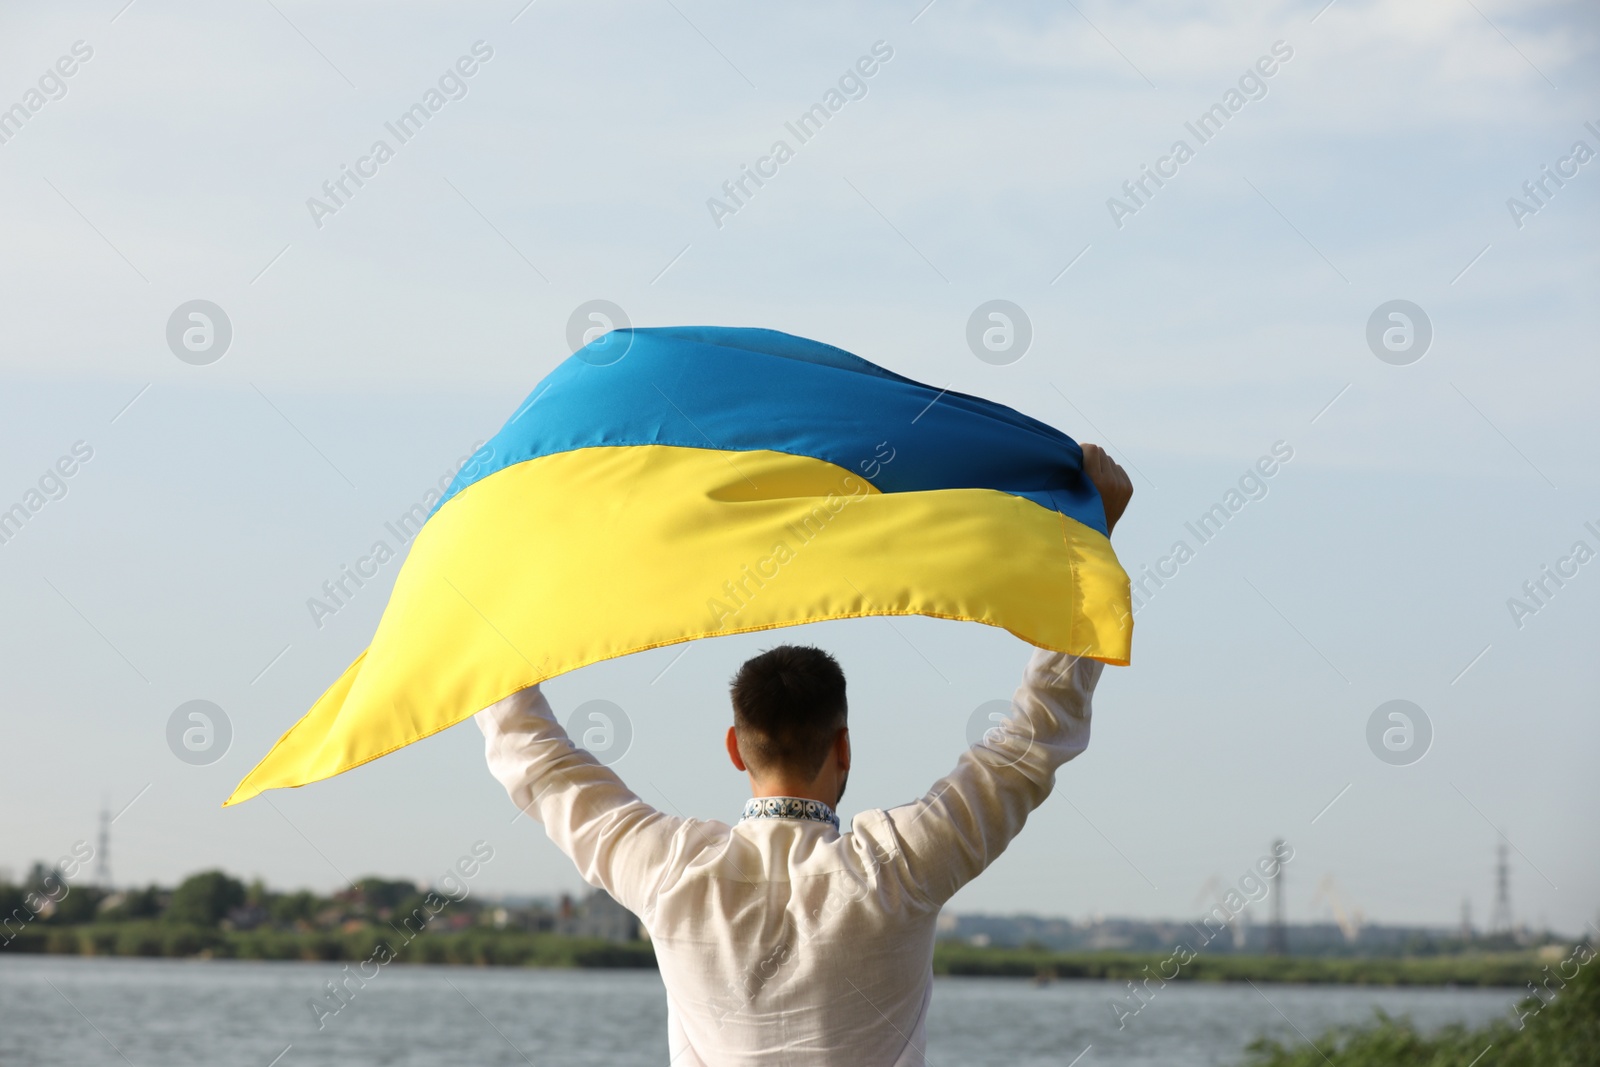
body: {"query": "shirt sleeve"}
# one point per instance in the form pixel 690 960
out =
pixel 618 842
pixel 942 841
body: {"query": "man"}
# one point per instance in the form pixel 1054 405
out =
pixel 781 939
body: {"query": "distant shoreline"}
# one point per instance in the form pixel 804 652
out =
pixel 511 948
pixel 1486 970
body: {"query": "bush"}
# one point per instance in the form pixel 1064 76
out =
pixel 180 942
pixel 62 942
pixel 100 941
pixel 139 939
pixel 1563 1032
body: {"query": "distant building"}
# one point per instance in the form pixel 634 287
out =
pixel 246 917
pixel 599 916
pixel 534 915
pixel 1100 933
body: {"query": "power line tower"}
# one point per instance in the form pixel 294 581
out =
pixel 102 863
pixel 1500 920
pixel 1277 934
pixel 1466 919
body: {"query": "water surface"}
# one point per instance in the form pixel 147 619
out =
pixel 180 1013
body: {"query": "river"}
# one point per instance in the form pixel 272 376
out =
pixel 175 1013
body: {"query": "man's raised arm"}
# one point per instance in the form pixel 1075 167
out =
pixel 947 838
pixel 966 820
pixel 619 843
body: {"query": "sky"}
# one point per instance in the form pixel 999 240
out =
pixel 1237 310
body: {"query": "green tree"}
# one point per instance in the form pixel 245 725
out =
pixel 143 903
pixel 78 906
pixel 204 898
pixel 13 906
pixel 300 906
pixel 412 915
pixel 380 895
pixel 44 881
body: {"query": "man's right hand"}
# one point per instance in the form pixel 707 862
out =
pixel 1111 480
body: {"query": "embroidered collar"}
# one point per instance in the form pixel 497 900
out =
pixel 789 808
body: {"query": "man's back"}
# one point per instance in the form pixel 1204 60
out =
pixel 779 938
pixel 786 936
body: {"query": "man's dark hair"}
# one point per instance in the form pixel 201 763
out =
pixel 788 706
